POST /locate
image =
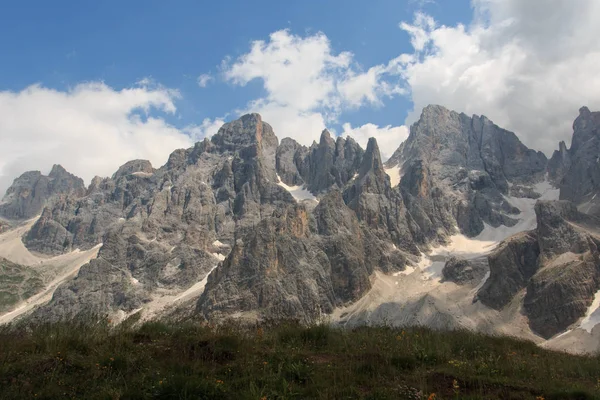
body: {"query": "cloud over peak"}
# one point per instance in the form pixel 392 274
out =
pixel 90 129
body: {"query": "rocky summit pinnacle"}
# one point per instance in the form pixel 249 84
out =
pixel 457 170
pixel 577 170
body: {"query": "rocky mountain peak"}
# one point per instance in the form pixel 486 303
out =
pixel 29 193
pixel 57 170
pixel 133 167
pixel 248 130
pixel 326 140
pixel 577 170
pixel 371 161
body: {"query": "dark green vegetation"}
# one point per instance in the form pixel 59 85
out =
pixel 187 361
pixel 17 283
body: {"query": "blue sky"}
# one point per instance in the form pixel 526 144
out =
pixel 63 43
pixel 91 85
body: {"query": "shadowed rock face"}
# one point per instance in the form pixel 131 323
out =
pixel 379 207
pixel 30 192
pixel 298 265
pixel 558 265
pixel 456 169
pixel 577 170
pixel 461 271
pixel 327 165
pixel 512 264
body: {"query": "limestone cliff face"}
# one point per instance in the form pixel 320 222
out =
pixel 377 205
pixel 577 170
pixel 512 265
pixel 558 266
pixel 329 164
pixel 456 169
pixel 167 220
pixel 298 265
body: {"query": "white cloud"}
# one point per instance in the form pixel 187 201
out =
pixel 206 129
pixel 91 129
pixel 388 137
pixel 204 80
pixel 527 65
pixel 308 85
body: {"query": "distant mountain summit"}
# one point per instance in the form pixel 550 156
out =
pixel 30 192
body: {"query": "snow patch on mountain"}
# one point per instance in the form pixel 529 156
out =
pixel 418 296
pixel 163 300
pixel 395 174
pixel 298 192
pixel 592 317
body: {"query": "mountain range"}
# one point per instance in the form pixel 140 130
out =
pixel 463 227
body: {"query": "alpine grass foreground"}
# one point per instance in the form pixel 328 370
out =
pixel 282 361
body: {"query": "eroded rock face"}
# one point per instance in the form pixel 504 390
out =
pixel 560 294
pixel 30 192
pixel 298 265
pixel 140 167
pixel 577 170
pixel 128 273
pixel 558 266
pixel 456 169
pixel 461 271
pixel 512 265
pixel 329 164
pixel 163 224
pixel 377 205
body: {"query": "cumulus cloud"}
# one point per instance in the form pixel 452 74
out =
pixel 204 80
pixel 91 129
pixel 307 84
pixel 527 65
pixel 206 129
pixel 388 137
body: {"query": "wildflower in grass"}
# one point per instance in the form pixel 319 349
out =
pixel 540 398
pixel 220 382
pixel 456 363
pixel 431 396
pixel 455 386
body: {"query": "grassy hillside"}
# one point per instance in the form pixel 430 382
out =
pixel 17 283
pixel 189 361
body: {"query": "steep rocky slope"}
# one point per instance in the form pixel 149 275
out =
pixel 298 264
pixel 557 265
pixel 455 170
